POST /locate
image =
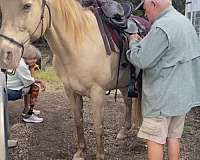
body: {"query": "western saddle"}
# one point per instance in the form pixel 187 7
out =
pixel 116 23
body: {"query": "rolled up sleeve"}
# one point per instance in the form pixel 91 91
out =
pixel 24 75
pixel 147 52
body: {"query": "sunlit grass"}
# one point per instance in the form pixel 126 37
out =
pixel 50 78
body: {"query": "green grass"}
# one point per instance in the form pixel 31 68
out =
pixel 50 78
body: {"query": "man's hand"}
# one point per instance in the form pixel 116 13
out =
pixel 135 37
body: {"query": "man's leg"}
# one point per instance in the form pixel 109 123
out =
pixel 175 131
pixel 155 150
pixel 155 131
pixel 173 148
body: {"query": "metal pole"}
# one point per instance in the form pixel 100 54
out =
pixel 3 118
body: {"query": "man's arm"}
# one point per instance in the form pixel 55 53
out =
pixel 147 52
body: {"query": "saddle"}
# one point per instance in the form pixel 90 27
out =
pixel 116 23
pixel 113 12
pixel 116 13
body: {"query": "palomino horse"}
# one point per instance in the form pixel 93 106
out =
pixel 80 60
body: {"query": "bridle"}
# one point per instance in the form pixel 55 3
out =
pixel 12 40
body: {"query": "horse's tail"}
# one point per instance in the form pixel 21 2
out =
pixel 137 113
pixel 137 109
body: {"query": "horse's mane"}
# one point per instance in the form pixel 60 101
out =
pixel 75 18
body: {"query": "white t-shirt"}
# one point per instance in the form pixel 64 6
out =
pixel 22 77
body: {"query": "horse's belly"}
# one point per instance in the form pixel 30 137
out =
pixel 122 80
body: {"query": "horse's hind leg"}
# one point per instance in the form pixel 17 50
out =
pixel 97 97
pixel 77 105
pixel 128 112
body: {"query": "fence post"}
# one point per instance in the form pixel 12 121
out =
pixel 3 118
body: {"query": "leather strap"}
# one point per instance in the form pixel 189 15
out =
pixel 96 11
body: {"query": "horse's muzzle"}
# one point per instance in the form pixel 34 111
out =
pixel 10 56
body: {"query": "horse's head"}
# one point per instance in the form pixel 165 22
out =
pixel 22 21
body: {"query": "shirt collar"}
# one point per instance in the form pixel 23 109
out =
pixel 165 11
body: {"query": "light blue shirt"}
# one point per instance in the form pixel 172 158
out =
pixel 22 77
pixel 170 58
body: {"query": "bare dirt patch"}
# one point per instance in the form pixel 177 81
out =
pixel 55 139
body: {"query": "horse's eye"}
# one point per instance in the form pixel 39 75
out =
pixel 27 6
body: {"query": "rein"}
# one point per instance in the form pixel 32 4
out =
pixel 12 40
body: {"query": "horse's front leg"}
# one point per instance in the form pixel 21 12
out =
pixel 127 116
pixel 77 105
pixel 97 98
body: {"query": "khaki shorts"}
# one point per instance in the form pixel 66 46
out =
pixel 159 129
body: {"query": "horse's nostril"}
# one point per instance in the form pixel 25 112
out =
pixel 8 55
pixel 9 52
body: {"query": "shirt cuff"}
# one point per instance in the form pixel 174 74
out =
pixel 132 42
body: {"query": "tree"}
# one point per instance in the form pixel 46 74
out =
pixel 178 4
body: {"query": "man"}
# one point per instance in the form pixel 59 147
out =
pixel 170 58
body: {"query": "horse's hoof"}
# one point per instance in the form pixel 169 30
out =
pixel 78 158
pixel 78 155
pixel 121 135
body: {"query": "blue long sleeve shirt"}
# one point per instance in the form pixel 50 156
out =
pixel 170 58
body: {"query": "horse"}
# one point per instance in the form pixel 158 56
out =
pixel 80 57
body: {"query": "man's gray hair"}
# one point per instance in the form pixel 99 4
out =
pixel 31 51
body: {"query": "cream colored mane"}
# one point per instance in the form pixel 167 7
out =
pixel 76 18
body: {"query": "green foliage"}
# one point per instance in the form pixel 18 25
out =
pixel 138 13
pixel 178 4
pixel 50 78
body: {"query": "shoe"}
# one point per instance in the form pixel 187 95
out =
pixel 36 112
pixel 23 114
pixel 12 143
pixel 33 119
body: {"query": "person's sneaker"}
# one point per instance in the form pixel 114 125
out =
pixel 36 112
pixel 33 119
pixel 23 114
pixel 12 143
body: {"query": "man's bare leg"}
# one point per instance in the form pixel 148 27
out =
pixel 155 150
pixel 173 148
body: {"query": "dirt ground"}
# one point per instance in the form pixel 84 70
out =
pixel 55 139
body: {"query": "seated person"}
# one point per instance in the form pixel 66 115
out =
pixel 23 85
